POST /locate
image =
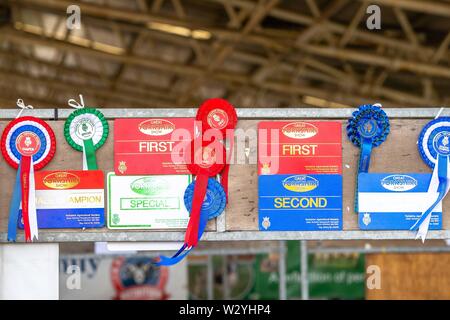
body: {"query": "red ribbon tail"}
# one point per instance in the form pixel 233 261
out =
pixel 201 184
pixel 25 164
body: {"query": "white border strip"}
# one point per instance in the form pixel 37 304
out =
pixel 243 113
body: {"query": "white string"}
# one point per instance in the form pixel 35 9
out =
pixel 75 104
pixel 439 112
pixel 21 105
pixel 378 105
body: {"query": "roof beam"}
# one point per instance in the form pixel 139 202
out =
pixel 379 60
pixel 74 89
pixel 124 87
pixel 155 64
pixel 296 17
pixel 144 18
pixel 262 9
pixel 24 38
pixel 423 6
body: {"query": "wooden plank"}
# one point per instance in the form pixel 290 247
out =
pixel 411 276
pixel 397 154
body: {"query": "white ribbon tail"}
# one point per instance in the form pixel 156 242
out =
pixel 423 229
pixel 432 188
pixel 32 215
pixel 85 165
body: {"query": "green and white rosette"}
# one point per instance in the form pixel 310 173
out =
pixel 86 130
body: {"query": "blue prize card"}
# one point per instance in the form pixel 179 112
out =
pixel 390 201
pixel 300 202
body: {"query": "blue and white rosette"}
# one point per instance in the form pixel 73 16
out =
pixel 367 128
pixel 434 148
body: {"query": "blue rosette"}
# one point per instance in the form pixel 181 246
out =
pixel 214 202
pixel 367 128
pixel 369 122
pixel 434 149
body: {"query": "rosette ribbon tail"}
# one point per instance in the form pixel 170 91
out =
pixel 89 159
pixel 186 249
pixel 364 164
pixel 441 178
pixel 32 213
pixel 192 232
pixel 14 208
pixel 364 160
pixel 28 198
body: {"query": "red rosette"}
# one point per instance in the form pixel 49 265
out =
pixel 217 114
pixel 203 158
pixel 51 140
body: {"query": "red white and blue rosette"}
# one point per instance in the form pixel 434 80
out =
pixel 27 144
pixel 434 148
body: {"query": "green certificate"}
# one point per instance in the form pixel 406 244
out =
pixel 147 202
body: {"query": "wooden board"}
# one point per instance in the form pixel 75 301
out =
pixel 411 276
pixel 398 154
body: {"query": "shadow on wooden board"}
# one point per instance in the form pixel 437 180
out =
pixel 411 276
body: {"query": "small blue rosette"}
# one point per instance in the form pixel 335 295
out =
pixel 367 128
pixel 214 202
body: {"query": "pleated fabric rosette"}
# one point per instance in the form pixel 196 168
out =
pixel 206 198
pixel 366 129
pixel 28 144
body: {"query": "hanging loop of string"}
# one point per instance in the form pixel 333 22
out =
pixel 22 106
pixel 379 105
pixel 439 112
pixel 75 104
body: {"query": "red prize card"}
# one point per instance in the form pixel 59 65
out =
pixel 299 147
pixel 146 146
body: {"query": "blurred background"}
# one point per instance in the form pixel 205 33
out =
pixel 266 53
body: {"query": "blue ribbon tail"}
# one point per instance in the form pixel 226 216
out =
pixel 14 208
pixel 182 253
pixel 170 261
pixel 442 188
pixel 203 223
pixel 364 163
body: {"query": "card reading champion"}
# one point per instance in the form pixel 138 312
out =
pixel 389 201
pixel 69 199
pixel 299 147
pixel 300 175
pixel 147 146
pixel 147 202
